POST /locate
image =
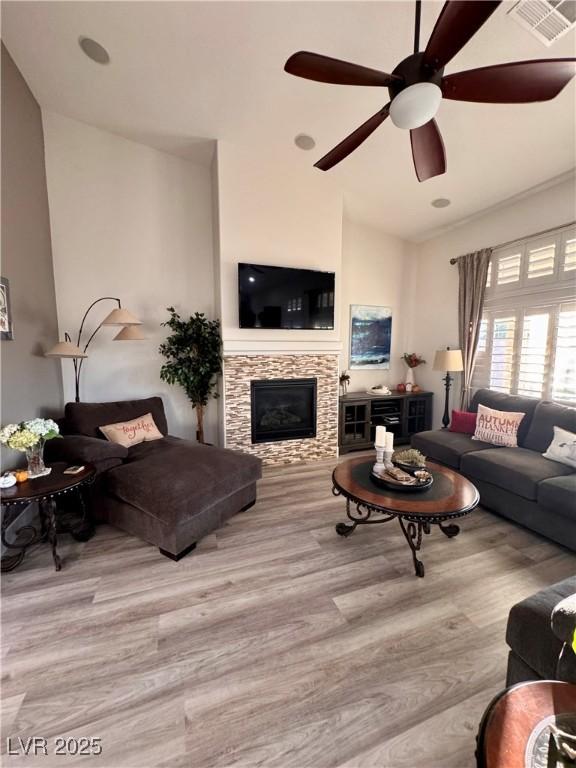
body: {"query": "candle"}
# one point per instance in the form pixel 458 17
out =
pixel 389 441
pixel 380 436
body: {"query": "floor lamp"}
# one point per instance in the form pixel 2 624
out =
pixel 119 316
pixel 449 360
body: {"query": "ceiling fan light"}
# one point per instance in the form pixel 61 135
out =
pixel 415 105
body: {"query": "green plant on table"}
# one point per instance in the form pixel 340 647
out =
pixel 409 456
pixel 193 352
pixel 28 434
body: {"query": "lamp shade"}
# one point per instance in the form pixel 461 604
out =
pixel 415 105
pixel 129 333
pixel 65 349
pixel 121 316
pixel 448 360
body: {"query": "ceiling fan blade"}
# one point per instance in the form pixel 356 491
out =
pixel 324 69
pixel 517 82
pixel 459 20
pixel 428 151
pixel 350 143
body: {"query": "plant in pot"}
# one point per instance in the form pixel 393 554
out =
pixel 412 360
pixel 29 437
pixel 193 352
pixel 344 381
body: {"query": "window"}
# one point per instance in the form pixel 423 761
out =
pixel 527 336
pixel 565 366
pixel 570 254
pixel 502 358
pixel 509 269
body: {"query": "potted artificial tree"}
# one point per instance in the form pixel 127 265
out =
pixel 194 360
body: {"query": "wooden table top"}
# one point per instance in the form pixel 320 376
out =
pixel 49 485
pixel 516 717
pixel 451 494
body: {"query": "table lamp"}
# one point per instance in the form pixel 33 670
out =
pixel 449 360
pixel 119 316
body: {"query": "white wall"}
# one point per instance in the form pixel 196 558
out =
pixel 376 270
pixel 132 222
pixel 435 315
pixel 270 213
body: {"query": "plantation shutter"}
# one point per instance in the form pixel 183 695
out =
pixel 527 340
pixel 508 270
pixel 502 357
pixel 564 384
pixel 570 254
pixel 534 353
pixel 541 261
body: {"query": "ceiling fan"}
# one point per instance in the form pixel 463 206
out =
pixel 417 85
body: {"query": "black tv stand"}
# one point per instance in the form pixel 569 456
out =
pixel 403 413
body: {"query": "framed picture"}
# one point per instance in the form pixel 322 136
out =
pixel 6 331
pixel 370 335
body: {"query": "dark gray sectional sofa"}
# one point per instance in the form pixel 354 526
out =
pixel 539 633
pixel 517 483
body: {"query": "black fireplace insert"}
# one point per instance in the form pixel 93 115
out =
pixel 283 409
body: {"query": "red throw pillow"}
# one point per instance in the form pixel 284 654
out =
pixel 463 421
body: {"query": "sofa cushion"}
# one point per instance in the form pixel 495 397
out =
pixel 174 480
pixel 445 446
pixel 498 427
pixel 518 470
pixel 562 448
pixel 140 451
pixel 500 401
pixel 78 449
pixel 529 633
pixel 463 421
pixel 547 416
pixel 133 432
pixel 559 495
pixel 87 418
pixel 564 618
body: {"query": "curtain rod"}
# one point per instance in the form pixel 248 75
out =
pixel 527 237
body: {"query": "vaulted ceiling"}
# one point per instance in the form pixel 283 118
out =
pixel 182 72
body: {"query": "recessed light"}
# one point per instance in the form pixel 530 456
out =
pixel 440 202
pixel 303 141
pixel 94 50
pixel 252 279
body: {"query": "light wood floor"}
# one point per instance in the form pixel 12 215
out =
pixel 276 644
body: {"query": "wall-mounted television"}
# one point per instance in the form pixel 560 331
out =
pixel 284 297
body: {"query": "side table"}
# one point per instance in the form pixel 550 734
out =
pixel 44 491
pixel 530 725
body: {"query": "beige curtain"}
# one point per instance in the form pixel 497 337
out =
pixel 472 274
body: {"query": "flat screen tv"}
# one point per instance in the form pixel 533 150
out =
pixel 283 297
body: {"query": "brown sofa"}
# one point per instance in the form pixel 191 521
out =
pixel 169 492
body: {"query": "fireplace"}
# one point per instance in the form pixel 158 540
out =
pixel 283 409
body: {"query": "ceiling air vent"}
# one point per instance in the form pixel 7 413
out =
pixel 547 20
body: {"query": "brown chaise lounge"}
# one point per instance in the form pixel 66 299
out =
pixel 169 492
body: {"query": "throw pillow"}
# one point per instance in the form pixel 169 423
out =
pixel 562 448
pixel 497 427
pixel 128 433
pixel 463 421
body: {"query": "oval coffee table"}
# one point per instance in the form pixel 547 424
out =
pixel 450 496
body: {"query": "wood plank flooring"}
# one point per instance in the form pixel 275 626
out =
pixel 275 644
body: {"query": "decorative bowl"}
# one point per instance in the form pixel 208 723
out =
pixel 410 468
pixel 395 485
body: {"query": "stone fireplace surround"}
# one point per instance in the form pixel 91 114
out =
pixel 239 370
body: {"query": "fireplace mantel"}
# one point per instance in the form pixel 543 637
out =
pixel 281 347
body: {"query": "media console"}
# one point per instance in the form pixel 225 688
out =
pixel 404 414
